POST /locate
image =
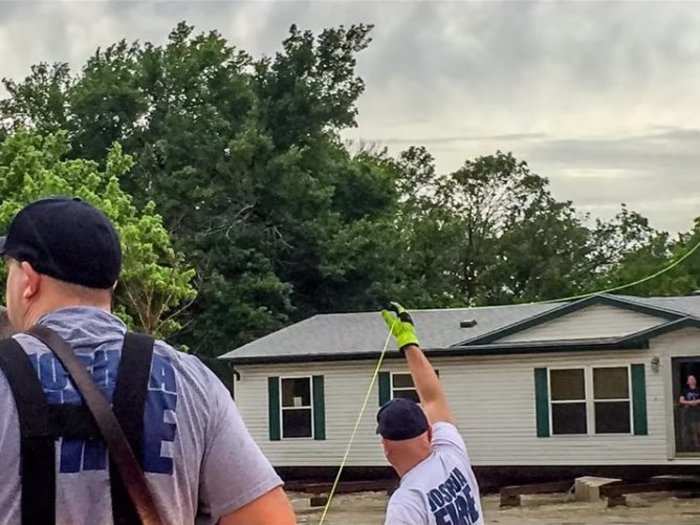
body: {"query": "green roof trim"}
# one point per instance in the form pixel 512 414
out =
pixel 565 309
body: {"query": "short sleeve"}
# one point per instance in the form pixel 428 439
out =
pixel 447 437
pixel 234 470
pixel 404 509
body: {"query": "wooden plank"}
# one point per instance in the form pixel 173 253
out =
pixel 619 489
pixel 539 488
pixel 510 496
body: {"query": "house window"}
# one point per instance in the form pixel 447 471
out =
pixel 590 400
pixel 296 407
pixel 402 386
pixel 611 394
pixel 568 395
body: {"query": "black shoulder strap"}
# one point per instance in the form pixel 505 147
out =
pixel 120 451
pixel 128 404
pixel 37 454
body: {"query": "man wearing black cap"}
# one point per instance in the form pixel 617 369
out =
pixel 423 445
pixel 200 463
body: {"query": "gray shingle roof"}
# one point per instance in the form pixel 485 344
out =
pixel 687 304
pixel 353 333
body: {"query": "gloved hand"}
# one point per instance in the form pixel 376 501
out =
pixel 399 321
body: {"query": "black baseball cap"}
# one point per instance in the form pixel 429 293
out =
pixel 401 419
pixel 67 239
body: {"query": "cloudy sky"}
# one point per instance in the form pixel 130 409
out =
pixel 602 98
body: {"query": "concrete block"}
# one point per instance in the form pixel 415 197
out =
pixel 510 500
pixel 318 501
pixel 617 501
pixel 587 488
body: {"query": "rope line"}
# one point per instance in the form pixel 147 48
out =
pixel 654 275
pixel 357 425
pixel 334 487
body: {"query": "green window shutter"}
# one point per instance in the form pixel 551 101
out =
pixel 542 402
pixel 384 387
pixel 273 407
pixel 319 409
pixel 639 400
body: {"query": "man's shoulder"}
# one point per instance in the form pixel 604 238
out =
pixel 406 500
pixel 446 438
pixel 191 371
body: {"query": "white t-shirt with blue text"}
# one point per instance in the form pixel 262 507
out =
pixel 441 489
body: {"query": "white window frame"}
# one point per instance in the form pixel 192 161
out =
pixel 628 400
pixel 589 400
pixel 402 388
pixel 405 388
pixel 283 408
pixel 568 401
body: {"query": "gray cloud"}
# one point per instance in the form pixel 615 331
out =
pixel 599 97
pixel 460 138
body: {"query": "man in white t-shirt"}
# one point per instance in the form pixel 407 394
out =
pixel 437 486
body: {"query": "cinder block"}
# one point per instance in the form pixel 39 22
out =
pixel 510 500
pixel 587 488
pixel 318 501
pixel 617 501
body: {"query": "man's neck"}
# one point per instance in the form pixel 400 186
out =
pixel 40 310
pixel 405 467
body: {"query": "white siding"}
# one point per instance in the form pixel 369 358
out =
pixel 598 320
pixel 494 402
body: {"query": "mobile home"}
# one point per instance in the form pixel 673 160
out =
pixel 587 386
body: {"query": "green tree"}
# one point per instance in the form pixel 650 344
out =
pixel 155 281
pixel 542 254
pixel 490 232
pixel 658 252
pixel 242 157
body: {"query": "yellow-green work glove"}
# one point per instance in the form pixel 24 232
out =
pixel 399 321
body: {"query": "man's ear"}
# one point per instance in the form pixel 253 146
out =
pixel 32 280
pixel 384 446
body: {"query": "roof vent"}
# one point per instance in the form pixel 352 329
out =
pixel 467 324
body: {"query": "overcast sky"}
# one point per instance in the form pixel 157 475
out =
pixel 602 98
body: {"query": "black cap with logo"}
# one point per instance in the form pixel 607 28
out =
pixel 67 239
pixel 401 419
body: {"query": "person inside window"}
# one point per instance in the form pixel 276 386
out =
pixel 690 400
pixel 691 394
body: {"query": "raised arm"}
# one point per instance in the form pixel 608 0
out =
pixel 432 395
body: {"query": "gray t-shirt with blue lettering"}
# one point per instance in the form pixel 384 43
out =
pixel 441 489
pixel 199 459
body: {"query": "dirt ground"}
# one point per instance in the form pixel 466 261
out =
pixel 643 509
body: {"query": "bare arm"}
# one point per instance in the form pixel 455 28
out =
pixel 273 507
pixel 432 395
pixel 688 403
